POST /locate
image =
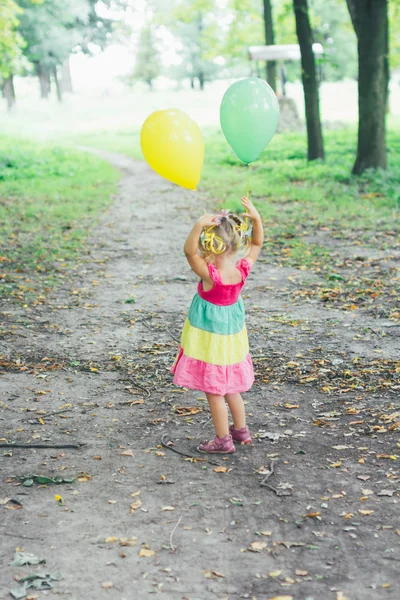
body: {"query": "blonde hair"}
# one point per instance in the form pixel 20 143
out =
pixel 229 235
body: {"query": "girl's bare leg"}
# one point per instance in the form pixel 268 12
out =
pixel 219 414
pixel 236 406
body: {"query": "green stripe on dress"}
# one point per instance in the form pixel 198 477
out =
pixel 224 320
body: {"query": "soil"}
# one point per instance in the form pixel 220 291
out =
pixel 324 411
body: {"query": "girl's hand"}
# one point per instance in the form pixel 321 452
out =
pixel 250 209
pixel 206 220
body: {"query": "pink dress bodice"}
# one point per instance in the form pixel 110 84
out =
pixel 224 294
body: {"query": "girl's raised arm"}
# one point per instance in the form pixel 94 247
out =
pixel 257 238
pixel 197 263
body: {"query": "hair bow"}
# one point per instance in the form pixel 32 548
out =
pixel 212 242
pixel 224 214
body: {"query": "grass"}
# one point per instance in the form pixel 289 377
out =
pixel 50 196
pixel 295 197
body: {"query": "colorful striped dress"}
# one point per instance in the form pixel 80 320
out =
pixel 214 353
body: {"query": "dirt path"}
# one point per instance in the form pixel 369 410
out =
pixel 328 528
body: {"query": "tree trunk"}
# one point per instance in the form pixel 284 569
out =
pixel 309 78
pixel 270 41
pixel 370 21
pixel 44 80
pixel 201 79
pixel 9 92
pixel 66 79
pixel 58 86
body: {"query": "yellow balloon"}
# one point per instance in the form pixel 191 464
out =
pixel 173 146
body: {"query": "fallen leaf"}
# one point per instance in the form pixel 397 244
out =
pixel 4 501
pixel 107 585
pixel 168 508
pixel 386 493
pixel 111 539
pixel 341 596
pixel 96 457
pixel 220 469
pixel 281 598
pixel 364 477
pixel 185 411
pixel 366 513
pixel 337 464
pixel 313 515
pixel 127 453
pixel 257 546
pixel 136 493
pixel 300 572
pixel 112 502
pixel 135 505
pixel 292 405
pixel 274 574
pixel 266 532
pixel 128 541
pixel 212 574
pixel 146 553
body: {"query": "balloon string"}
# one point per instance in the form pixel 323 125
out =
pixel 248 190
pixel 248 181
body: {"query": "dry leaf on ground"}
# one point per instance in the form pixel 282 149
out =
pixel 135 505
pixel 107 584
pixel 146 553
pixel 126 453
pixel 257 546
pixel 212 574
pixel 186 411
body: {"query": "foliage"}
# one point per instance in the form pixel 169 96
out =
pixel 49 198
pixel 195 26
pixel 147 66
pixel 48 29
pixel 11 42
pixel 331 27
pixel 288 189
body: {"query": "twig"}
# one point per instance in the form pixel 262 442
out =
pixel 183 453
pixel 172 335
pixel 174 449
pixel 24 537
pixel 172 533
pixel 46 416
pixel 268 475
pixel 18 445
pixel 138 386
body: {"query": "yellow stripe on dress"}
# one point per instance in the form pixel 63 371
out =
pixel 214 348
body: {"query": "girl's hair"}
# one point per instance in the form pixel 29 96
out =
pixel 229 234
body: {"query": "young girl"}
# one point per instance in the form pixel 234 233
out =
pixel 214 354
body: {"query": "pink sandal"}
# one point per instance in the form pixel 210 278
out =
pixel 218 445
pixel 240 435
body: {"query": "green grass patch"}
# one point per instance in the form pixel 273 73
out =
pixel 296 198
pixel 50 197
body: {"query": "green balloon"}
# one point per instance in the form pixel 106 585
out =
pixel 249 117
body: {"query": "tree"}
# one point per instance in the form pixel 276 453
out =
pixel 270 41
pixel 49 35
pixel 147 66
pixel 309 78
pixel 11 45
pixel 194 24
pixel 370 21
